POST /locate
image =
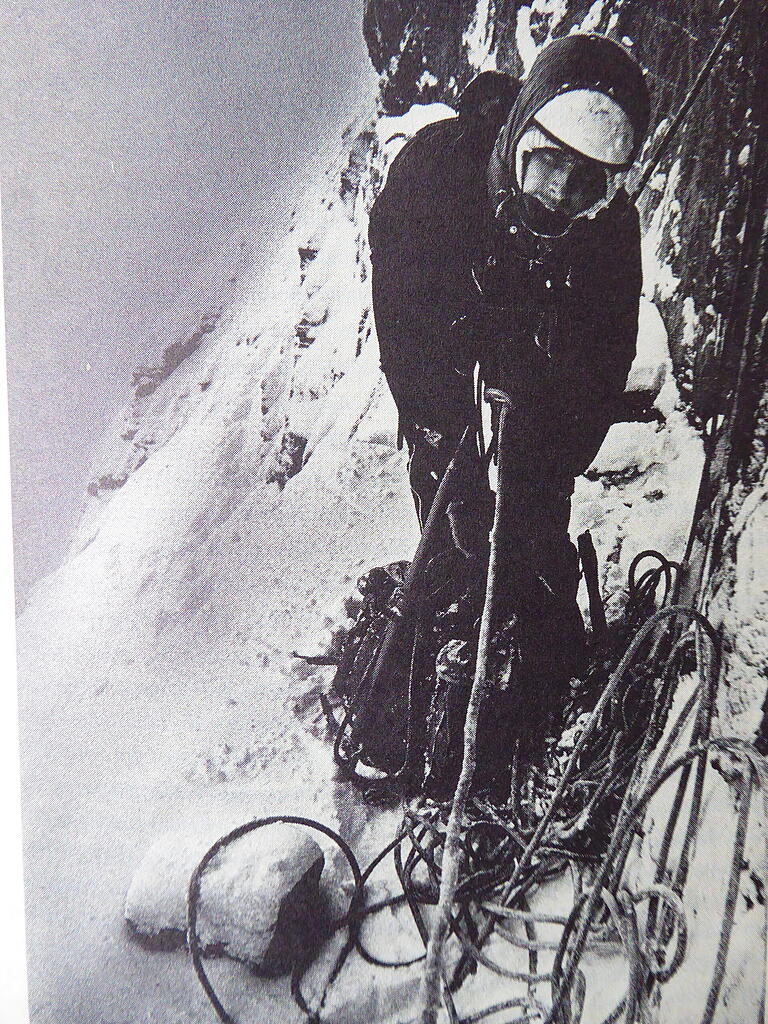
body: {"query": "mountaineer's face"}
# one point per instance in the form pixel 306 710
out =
pixel 546 186
pixel 562 181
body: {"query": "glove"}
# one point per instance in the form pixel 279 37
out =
pixel 430 437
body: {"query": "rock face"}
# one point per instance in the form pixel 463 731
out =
pixel 259 898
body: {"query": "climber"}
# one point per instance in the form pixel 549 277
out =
pixel 504 239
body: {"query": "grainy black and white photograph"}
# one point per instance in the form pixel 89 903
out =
pixel 388 441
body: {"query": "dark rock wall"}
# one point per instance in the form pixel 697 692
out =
pixel 715 147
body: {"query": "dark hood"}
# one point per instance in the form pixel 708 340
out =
pixel 579 62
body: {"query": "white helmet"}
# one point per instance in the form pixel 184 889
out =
pixel 590 123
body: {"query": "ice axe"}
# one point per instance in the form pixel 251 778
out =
pixel 363 705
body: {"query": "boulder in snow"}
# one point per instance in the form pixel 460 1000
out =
pixel 258 897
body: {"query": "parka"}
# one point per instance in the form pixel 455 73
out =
pixel 554 325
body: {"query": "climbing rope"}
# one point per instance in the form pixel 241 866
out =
pixel 577 813
pixel 674 125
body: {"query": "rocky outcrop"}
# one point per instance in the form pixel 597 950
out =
pixel 259 899
pixel 147 379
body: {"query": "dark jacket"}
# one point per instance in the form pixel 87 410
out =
pixel 556 329
pixel 423 225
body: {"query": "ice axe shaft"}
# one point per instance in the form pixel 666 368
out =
pixel 588 557
pixel 410 590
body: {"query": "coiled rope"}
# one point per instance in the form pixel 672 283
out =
pixel 507 853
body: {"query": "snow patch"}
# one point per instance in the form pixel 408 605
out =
pixel 547 16
pixel 659 279
pixel 717 238
pixel 627 445
pixel 416 118
pixel 427 80
pixel 640 494
pixel 393 132
pixel 524 41
pixel 652 363
pixel 691 324
pixel 641 489
pixel 478 38
pixel 592 19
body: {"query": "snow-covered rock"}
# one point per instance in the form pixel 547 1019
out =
pixel 258 898
pixel 627 446
pixel 740 606
pixel 652 363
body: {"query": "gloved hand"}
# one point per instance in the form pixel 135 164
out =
pixel 428 436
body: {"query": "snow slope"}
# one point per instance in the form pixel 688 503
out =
pixel 156 685
pixel 250 489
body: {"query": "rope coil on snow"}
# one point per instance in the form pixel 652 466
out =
pixel 350 921
pixel 521 857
